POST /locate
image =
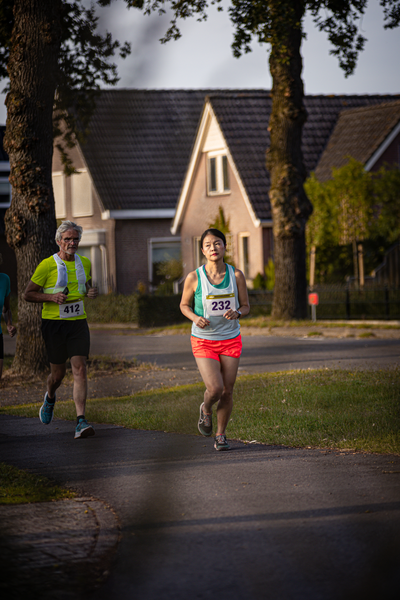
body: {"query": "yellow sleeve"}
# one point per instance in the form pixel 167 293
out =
pixel 41 273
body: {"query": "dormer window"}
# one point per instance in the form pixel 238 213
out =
pixel 217 174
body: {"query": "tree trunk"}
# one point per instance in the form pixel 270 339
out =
pixel 290 205
pixel 312 265
pixel 30 220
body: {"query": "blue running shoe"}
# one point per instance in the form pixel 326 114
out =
pixel 46 411
pixel 83 429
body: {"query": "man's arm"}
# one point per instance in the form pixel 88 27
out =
pixel 33 293
pixel 91 292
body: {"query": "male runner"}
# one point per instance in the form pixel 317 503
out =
pixel 61 282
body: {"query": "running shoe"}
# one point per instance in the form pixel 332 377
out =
pixel 205 422
pixel 220 442
pixel 46 411
pixel 83 429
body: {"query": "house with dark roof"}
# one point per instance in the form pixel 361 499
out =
pixel 370 134
pixel 129 175
pixel 227 170
pixel 157 166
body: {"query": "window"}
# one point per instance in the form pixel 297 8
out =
pixel 5 187
pixel 217 174
pixel 199 258
pixel 93 246
pixel 59 195
pixel 161 250
pixel 244 239
pixel 81 194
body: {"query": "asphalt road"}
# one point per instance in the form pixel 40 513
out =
pixel 260 353
pixel 258 522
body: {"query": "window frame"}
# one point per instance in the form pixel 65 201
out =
pixel 244 267
pixel 198 256
pixel 76 213
pixel 151 243
pixel 63 200
pixel 221 173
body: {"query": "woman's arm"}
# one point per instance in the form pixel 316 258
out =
pixel 186 301
pixel 8 317
pixel 244 304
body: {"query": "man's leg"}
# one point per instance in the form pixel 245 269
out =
pixel 78 365
pixel 54 380
pixel 1 367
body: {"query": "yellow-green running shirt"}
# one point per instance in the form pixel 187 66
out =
pixel 46 276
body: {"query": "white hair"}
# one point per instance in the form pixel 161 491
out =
pixel 66 226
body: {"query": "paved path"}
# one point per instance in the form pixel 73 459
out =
pixel 258 522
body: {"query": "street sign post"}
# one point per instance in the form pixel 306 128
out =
pixel 313 301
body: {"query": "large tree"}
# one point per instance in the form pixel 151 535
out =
pixel 279 23
pixel 55 61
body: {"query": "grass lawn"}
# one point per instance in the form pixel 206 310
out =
pixel 344 409
pixel 21 487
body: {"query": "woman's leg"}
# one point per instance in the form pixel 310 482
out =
pixel 219 379
pixel 229 369
pixel 210 371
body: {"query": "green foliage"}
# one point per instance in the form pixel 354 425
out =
pixel 269 22
pixel 85 62
pixel 266 281
pixel 343 206
pixel 156 311
pixel 355 205
pixel 112 308
pixel 259 282
pixel 270 274
pixel 221 222
pixel 169 271
pixel 387 192
pixel 223 225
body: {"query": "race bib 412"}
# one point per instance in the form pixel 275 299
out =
pixel 72 309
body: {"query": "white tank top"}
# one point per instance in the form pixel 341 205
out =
pixel 215 303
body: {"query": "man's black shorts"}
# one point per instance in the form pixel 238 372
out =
pixel 65 339
pixel 1 346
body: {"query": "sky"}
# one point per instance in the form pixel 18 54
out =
pixel 202 57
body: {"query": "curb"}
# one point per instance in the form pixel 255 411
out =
pixel 69 544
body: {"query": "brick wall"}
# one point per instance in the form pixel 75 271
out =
pixel 131 246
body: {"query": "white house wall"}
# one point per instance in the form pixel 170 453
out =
pixel 214 139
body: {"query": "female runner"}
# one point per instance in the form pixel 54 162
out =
pixel 220 299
